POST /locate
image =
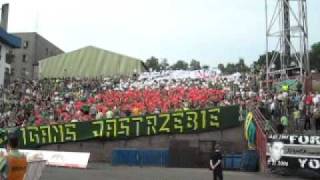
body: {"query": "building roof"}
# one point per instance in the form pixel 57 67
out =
pixel 35 35
pixel 9 39
pixel 89 62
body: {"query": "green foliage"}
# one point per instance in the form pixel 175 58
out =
pixel 153 64
pixel 180 65
pixel 205 67
pixel 221 67
pixel 231 68
pixel 242 67
pixel 260 64
pixel 164 65
pixel 195 65
pixel 315 56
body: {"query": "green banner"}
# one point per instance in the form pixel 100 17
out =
pixel 193 121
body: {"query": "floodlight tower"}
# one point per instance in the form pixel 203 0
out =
pixel 286 38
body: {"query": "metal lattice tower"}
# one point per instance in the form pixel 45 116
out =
pixel 286 38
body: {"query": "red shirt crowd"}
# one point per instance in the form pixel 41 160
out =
pixel 138 102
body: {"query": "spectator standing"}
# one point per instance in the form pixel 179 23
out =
pixel 309 102
pixel 109 114
pixel 99 115
pixel 268 126
pixel 301 106
pixel 317 119
pixel 272 109
pixel 285 123
pixel 296 100
pixel 307 125
pixel 296 117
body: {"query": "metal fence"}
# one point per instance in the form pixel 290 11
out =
pixel 261 138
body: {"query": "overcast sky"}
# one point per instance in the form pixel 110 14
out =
pixel 211 31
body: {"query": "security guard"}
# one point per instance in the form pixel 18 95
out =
pixel 13 166
pixel 216 163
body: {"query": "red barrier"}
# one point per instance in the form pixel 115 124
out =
pixel 261 143
pixel 261 139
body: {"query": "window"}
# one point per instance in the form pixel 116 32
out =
pixel 7 71
pixel 25 44
pixel 10 57
pixel 24 58
pixel 23 71
pixel 47 51
pixel 12 71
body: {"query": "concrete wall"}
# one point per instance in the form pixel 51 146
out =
pixel 3 65
pixel 17 65
pixel 45 48
pixel 102 150
pixel 38 48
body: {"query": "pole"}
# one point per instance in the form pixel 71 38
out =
pixel 267 43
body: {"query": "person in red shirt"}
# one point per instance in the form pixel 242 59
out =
pixel 309 102
pixel 91 100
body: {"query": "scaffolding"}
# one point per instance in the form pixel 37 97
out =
pixel 286 39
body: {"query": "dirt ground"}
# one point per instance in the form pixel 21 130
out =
pixel 102 171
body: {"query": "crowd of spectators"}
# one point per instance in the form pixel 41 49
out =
pixel 290 111
pixel 51 101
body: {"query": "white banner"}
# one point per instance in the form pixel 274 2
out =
pixel 294 151
pixel 179 74
pixel 58 158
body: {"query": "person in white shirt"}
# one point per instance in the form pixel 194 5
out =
pixel 109 114
pixel 99 115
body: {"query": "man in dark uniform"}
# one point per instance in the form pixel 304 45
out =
pixel 216 163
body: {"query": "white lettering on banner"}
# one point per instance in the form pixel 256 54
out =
pixel 292 139
pixel 315 140
pixel 305 139
pixel 277 163
pixel 311 163
pixel 314 164
pixel 283 163
pixel 298 150
pixel 278 136
pixel 302 162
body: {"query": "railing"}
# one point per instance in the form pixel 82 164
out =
pixel 261 138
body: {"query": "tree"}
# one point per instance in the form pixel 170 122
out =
pixel 180 65
pixel 260 64
pixel 242 67
pixel 315 56
pixel 153 63
pixel 221 68
pixel 230 68
pixel 164 65
pixel 206 67
pixel 195 65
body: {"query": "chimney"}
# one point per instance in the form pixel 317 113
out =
pixel 4 16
